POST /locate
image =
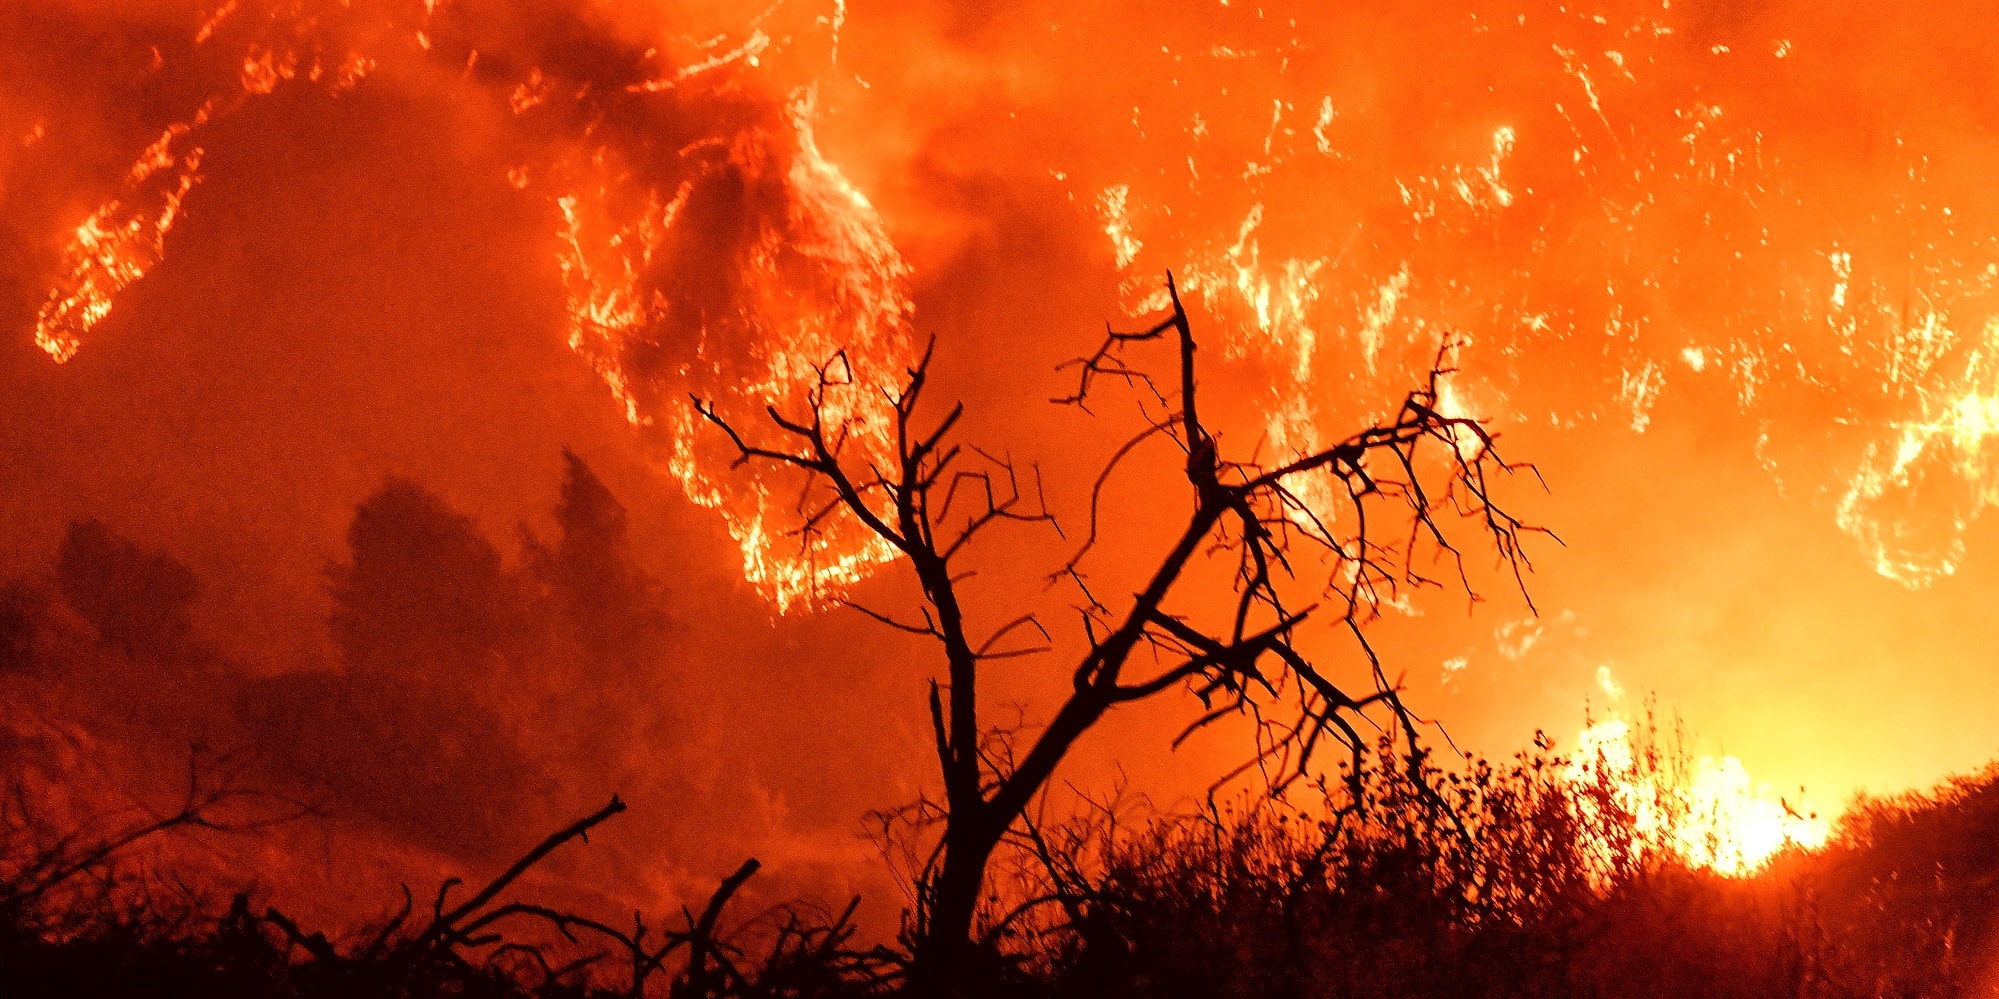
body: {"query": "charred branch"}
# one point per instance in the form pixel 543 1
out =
pixel 936 496
pixel 36 863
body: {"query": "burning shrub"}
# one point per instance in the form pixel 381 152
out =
pixel 1522 878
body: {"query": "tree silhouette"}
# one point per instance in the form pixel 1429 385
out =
pixel 1393 490
pixel 590 576
pixel 22 609
pixel 138 600
pixel 608 634
pixel 433 630
pixel 425 596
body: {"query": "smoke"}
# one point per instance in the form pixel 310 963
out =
pixel 707 246
pixel 471 701
pixel 136 600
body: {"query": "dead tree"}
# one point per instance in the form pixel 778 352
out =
pixel 1395 487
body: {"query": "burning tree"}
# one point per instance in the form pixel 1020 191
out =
pixel 1383 496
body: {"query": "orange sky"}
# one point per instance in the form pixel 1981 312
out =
pixel 1727 271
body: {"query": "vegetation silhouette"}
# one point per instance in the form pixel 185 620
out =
pixel 1244 899
pixel 1384 873
pixel 1393 493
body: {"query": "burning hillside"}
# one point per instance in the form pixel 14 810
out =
pixel 312 298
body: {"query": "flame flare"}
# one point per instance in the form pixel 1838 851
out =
pixel 821 285
pixel 120 241
pixel 1715 817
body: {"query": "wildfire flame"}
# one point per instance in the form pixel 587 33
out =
pixel 824 289
pixel 817 278
pixel 1707 811
pixel 1595 146
pixel 1591 205
pixel 126 236
pixel 120 241
pixel 1716 818
pixel 1873 334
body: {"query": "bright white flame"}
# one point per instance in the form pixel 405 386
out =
pixel 1719 819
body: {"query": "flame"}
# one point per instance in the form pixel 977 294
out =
pixel 1568 216
pixel 1914 495
pixel 606 303
pixel 125 237
pixel 120 241
pixel 864 320
pixel 823 289
pixel 1716 818
pixel 1600 220
pixel 817 283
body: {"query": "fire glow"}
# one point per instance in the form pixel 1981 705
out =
pixel 1567 219
pixel 1600 126
pixel 1606 153
pixel 120 241
pixel 819 275
pixel 1226 188
pixel 1717 817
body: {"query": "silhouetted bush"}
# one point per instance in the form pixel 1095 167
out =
pixel 22 608
pixel 1488 881
pixel 465 685
pixel 425 597
pixel 1494 881
pixel 106 931
pixel 137 599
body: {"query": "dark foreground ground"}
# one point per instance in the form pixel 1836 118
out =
pixel 1498 885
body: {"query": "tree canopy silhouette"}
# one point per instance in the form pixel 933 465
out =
pixel 138 600
pixel 425 592
pixel 1382 498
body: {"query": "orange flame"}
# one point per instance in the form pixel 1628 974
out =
pixel 822 286
pixel 1594 206
pixel 822 280
pixel 126 236
pixel 120 241
pixel 1714 817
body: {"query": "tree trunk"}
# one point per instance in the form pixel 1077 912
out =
pixel 946 957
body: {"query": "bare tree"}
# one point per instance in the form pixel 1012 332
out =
pixel 1388 496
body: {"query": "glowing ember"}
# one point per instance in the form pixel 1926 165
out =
pixel 1599 212
pixel 1916 493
